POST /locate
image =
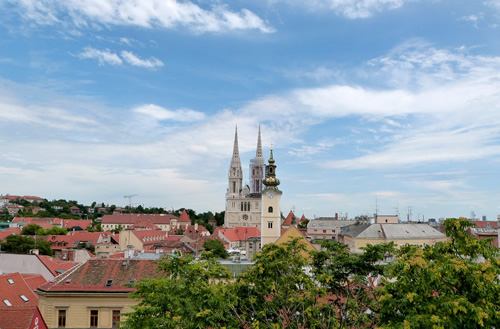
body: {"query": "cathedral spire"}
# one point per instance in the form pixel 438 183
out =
pixel 259 147
pixel 236 151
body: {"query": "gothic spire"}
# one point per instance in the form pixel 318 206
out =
pixel 235 161
pixel 259 146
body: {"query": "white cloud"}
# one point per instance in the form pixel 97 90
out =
pixel 145 13
pixel 102 56
pixel 352 9
pixel 159 113
pixel 108 57
pixel 132 59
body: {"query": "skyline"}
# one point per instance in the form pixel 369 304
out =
pixel 384 104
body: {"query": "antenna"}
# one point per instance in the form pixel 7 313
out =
pixel 129 197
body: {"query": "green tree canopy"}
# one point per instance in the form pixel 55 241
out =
pixel 18 244
pixel 454 284
pixel 32 229
pixel 216 247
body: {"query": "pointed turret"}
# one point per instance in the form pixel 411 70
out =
pixel 257 168
pixel 235 174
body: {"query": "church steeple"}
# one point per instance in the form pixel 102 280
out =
pixel 271 182
pixel 235 174
pixel 257 168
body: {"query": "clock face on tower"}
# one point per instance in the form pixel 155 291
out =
pixel 270 194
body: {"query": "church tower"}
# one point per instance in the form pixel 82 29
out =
pixel 257 168
pixel 243 203
pixel 235 173
pixel 271 205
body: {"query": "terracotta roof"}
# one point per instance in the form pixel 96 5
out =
pixel 288 220
pixel 303 218
pixel 33 280
pixel 30 197
pixel 56 266
pixel 238 233
pixel 184 217
pixel 19 317
pixel 150 236
pixel 11 230
pixel 12 288
pixel 70 223
pixel 142 225
pixel 157 219
pixel 485 224
pixel 102 275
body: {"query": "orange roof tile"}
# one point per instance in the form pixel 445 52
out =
pixel 157 219
pixel 184 217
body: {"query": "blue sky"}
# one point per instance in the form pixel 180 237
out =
pixel 394 103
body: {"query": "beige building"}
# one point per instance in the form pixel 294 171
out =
pixel 360 235
pixel 271 206
pixel 93 295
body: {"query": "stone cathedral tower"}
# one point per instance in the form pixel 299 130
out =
pixel 243 203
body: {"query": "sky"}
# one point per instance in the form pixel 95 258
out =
pixel 387 106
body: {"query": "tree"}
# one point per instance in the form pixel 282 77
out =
pixel 179 231
pixel 32 229
pixel 18 244
pixel 348 280
pixel 188 294
pixel 216 247
pixel 453 284
pixel 277 292
pixel 55 231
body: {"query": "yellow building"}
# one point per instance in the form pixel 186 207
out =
pixel 93 294
pixel 361 235
pixel 292 233
pixel 271 206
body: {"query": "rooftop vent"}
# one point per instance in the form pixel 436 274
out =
pixel 109 283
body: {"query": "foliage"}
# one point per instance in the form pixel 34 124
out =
pixel 188 295
pixel 303 224
pixel 277 292
pixel 55 231
pixel 32 229
pixel 179 231
pixel 348 279
pixel 18 244
pixel 454 284
pixel 216 247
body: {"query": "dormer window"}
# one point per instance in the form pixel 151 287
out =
pixel 109 283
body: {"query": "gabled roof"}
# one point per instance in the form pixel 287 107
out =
pixel 150 236
pixel 82 223
pixel 184 218
pixel 289 219
pixel 56 266
pixel 238 233
pixel 394 231
pixel 143 225
pixel 11 230
pixel 102 275
pixel 12 288
pixel 157 219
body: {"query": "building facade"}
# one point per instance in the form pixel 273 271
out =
pixel 271 205
pixel 243 202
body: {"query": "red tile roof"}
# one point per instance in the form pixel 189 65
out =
pixel 82 223
pixel 157 219
pixel 11 230
pixel 143 225
pixel 184 217
pixel 56 266
pixel 21 317
pixel 239 233
pixel 150 236
pixel 95 275
pixel 33 280
pixel 288 220
pixel 13 292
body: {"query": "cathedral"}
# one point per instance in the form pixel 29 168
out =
pixel 244 203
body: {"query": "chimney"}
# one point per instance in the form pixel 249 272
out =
pixel 196 226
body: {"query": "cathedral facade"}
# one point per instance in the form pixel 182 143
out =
pixel 244 202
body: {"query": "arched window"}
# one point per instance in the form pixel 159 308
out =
pixel 234 187
pixel 242 206
pixel 270 209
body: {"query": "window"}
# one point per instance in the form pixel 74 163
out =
pixel 94 318
pixel 269 224
pixel 109 283
pixel 270 209
pixel 24 298
pixel 324 231
pixel 6 301
pixel 10 281
pixel 61 319
pixel 116 318
pixel 234 187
